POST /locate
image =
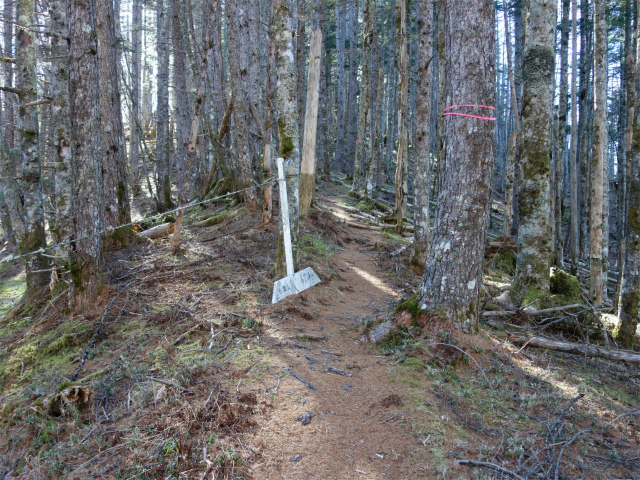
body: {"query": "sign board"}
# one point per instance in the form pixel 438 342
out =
pixel 294 282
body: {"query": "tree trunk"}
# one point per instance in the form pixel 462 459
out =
pixel 8 12
pixel 363 141
pixel 515 133
pixel 598 162
pixel 85 260
pixel 352 105
pixel 267 157
pixel 423 119
pixel 287 125
pixel 301 41
pixel 238 28
pixel 308 166
pixel 561 140
pixel 574 235
pixel 403 113
pixel 25 205
pixel 114 173
pixel 163 141
pixel 135 120
pixel 453 271
pixel 340 86
pixel 60 117
pixel 534 246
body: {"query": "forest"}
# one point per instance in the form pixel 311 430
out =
pixel 319 239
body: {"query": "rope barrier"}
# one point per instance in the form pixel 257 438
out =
pixel 11 258
pixel 479 117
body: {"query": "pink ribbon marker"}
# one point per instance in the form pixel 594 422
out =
pixel 492 119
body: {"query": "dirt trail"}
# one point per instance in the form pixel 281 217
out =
pixel 357 429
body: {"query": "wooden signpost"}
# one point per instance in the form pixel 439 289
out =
pixel 294 282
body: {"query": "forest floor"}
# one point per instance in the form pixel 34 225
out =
pixel 184 369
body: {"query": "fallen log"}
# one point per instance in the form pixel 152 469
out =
pixel 159 231
pixel 574 348
pixel 500 313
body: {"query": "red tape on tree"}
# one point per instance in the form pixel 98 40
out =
pixel 460 114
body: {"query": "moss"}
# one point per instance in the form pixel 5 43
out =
pixel 76 275
pixel 625 330
pixel 212 220
pixel 411 305
pixel 565 284
pixel 286 142
pixel 169 219
pixel 505 262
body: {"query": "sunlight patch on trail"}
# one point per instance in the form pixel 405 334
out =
pixel 375 281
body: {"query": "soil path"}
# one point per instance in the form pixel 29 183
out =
pixel 357 428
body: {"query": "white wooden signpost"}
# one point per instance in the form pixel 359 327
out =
pixel 294 282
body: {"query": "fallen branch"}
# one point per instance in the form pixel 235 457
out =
pixel 403 248
pixel 575 348
pixel 492 466
pixel 308 384
pixel 500 313
pixel 159 231
pixel 164 382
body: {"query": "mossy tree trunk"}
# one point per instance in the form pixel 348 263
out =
pixel 598 164
pixel 629 304
pixel 85 259
pixel 25 206
pixel 422 163
pixel 453 270
pixel 114 177
pixel 135 118
pixel 287 124
pixel 7 13
pixel 534 246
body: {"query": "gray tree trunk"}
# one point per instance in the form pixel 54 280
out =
pixel 340 86
pixel 286 88
pixel 422 162
pixel 534 246
pixel 163 141
pixel 352 104
pixel 453 271
pixel 60 117
pixel 561 140
pixel 301 61
pixel 136 120
pixel 85 258
pixel 574 235
pixel 363 141
pixel 24 199
pixel 8 13
pixel 402 160
pixel 114 172
pixel 599 181
pixel 629 305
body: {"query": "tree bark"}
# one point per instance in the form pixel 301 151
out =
pixel 114 172
pixel 352 104
pixel 287 108
pixel 301 42
pixel 340 86
pixel 308 165
pixel 598 163
pixel 60 117
pixel 574 235
pixel 534 246
pixel 363 140
pixel 163 142
pixel 629 304
pixel 135 121
pixel 238 22
pixel 561 139
pixel 422 162
pixel 25 198
pixel 403 114
pixel 8 13
pixel 453 271
pixel 515 133
pixel 85 260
